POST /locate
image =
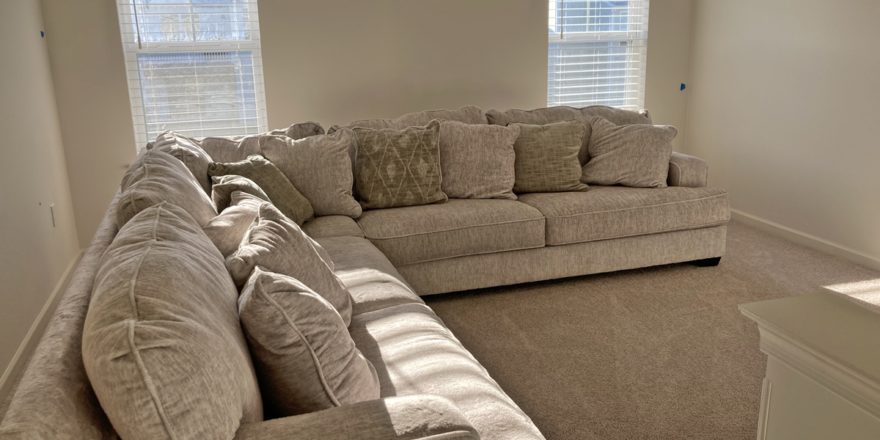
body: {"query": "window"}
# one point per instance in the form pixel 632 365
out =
pixel 596 53
pixel 193 66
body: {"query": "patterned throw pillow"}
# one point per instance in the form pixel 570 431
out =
pixel 272 181
pixel 629 155
pixel 547 157
pixel 398 167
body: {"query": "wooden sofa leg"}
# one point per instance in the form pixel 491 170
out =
pixel 708 262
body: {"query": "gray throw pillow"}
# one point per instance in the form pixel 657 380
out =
pixel 224 186
pixel 277 244
pixel 630 155
pixel 162 343
pixel 398 167
pixel 273 182
pixel 302 351
pixel 547 157
pixel 477 161
pixel 320 167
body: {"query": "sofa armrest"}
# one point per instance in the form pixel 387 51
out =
pixel 686 170
pixel 394 418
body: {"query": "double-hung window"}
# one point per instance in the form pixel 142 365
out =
pixel 193 66
pixel 596 52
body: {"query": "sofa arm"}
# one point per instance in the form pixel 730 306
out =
pixel 394 418
pixel 686 170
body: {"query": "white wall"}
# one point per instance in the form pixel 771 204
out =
pixel 33 177
pixel 784 105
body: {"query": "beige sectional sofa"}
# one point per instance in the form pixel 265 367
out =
pixel 431 386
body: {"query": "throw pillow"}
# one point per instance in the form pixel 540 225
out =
pixel 224 186
pixel 229 227
pixel 302 351
pixel 477 161
pixel 279 245
pixel 273 182
pixel 630 155
pixel 188 151
pixel 320 167
pixel 398 167
pixel 162 344
pixel 547 157
pixel 155 177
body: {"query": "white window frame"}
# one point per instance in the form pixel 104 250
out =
pixel 133 47
pixel 634 39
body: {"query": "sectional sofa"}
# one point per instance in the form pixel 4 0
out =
pixel 431 386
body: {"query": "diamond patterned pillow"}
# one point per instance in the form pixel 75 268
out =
pixel 398 167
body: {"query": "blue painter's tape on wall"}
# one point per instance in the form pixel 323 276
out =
pixel 681 87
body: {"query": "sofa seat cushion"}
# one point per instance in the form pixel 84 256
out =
pixel 606 212
pixel 370 278
pixel 456 228
pixel 414 353
pixel 332 226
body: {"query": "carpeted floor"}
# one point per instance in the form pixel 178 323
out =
pixel 659 353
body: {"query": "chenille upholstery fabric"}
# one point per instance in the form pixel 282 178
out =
pixel 224 186
pixel 162 344
pixel 236 148
pixel 155 177
pixel 303 353
pixel 549 115
pixel 687 170
pixel 188 151
pixel 320 168
pixel 332 226
pixel 553 262
pixel 277 244
pixel 606 212
pixel 230 226
pixel 634 155
pixel 273 182
pixel 423 417
pixel 301 130
pixel 398 167
pixel 453 229
pixel 414 353
pixel 477 161
pixel 547 157
pixel 468 114
pixel 371 279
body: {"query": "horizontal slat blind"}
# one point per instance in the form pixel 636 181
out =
pixel 193 66
pixel 597 52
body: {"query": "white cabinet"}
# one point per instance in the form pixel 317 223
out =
pixel 823 368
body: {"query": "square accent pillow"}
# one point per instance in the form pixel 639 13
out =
pixel 224 186
pixel 320 167
pixel 398 167
pixel 477 161
pixel 629 155
pixel 302 351
pixel 547 157
pixel 279 245
pixel 273 182
pixel 162 343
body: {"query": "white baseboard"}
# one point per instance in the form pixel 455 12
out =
pixel 805 239
pixel 32 337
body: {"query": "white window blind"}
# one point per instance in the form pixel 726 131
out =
pixel 193 66
pixel 596 52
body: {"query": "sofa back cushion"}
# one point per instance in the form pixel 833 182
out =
pixel 273 182
pixel 162 345
pixel 188 151
pixel 468 114
pixel 305 357
pixel 477 161
pixel 236 148
pixel 397 168
pixel 225 186
pixel 320 167
pixel 230 226
pixel 548 115
pixel 156 177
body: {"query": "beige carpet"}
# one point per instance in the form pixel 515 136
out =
pixel 659 353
